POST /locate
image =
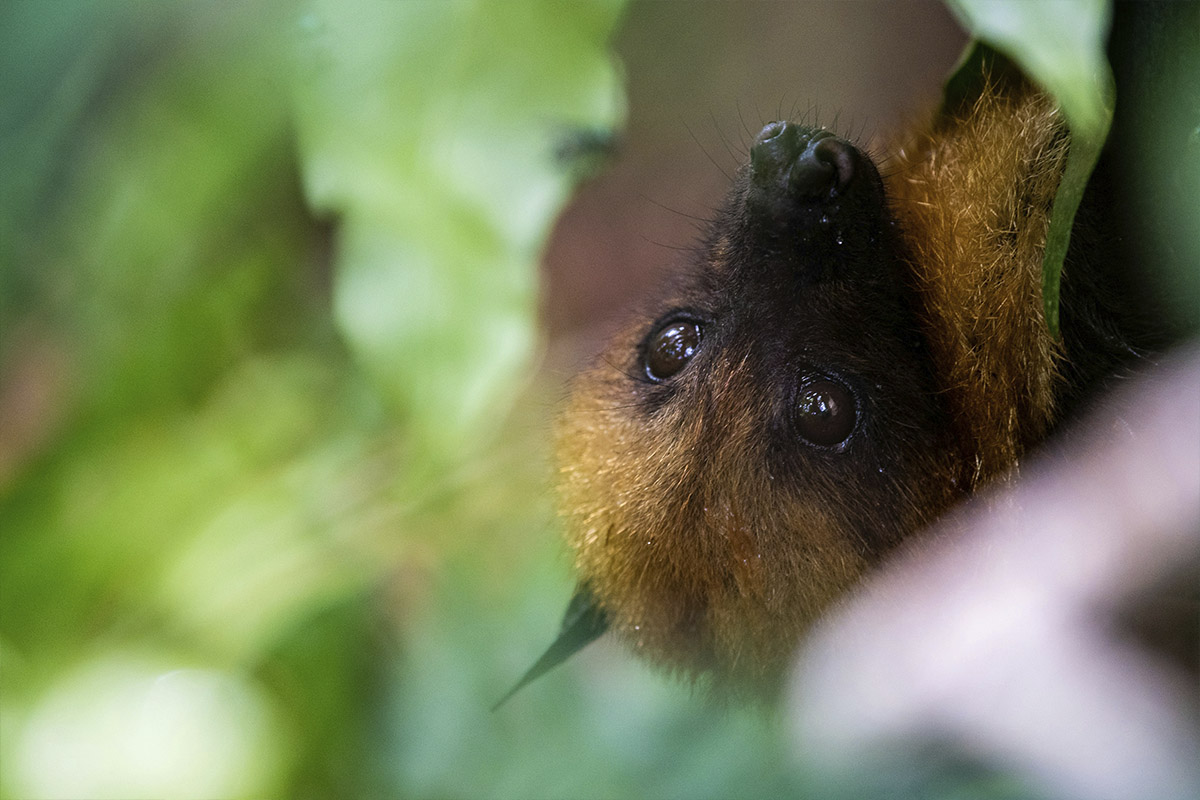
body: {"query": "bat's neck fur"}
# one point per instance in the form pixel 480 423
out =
pixel 976 238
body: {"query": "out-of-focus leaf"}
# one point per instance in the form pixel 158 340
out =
pixel 1059 44
pixel 1156 148
pixel 257 518
pixel 157 228
pixel 218 536
pixel 141 726
pixel 428 130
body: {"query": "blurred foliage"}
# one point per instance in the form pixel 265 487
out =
pixel 268 292
pixel 441 213
pixel 271 526
pixel 269 522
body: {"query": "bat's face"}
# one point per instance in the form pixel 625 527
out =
pixel 744 451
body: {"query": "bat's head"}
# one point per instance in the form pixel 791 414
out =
pixel 770 428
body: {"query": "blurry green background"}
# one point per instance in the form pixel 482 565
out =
pixel 284 317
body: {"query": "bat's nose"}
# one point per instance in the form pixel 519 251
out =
pixel 804 162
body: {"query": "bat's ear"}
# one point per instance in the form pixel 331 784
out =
pixel 582 624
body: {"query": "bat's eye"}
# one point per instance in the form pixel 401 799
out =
pixel 826 413
pixel 670 348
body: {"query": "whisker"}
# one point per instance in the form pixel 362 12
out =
pixel 685 215
pixel 725 141
pixel 694 249
pixel 707 154
pixel 749 133
pixel 621 370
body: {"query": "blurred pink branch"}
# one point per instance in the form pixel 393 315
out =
pixel 999 639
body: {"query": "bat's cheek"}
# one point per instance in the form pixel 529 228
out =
pixel 701 558
pixel 721 585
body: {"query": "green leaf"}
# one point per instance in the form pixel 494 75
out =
pixel 583 623
pixel 428 130
pixel 1060 46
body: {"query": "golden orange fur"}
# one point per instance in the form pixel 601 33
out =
pixel 976 238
